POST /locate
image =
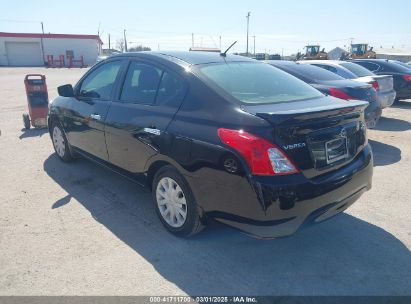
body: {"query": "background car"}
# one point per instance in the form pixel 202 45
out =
pixel 217 136
pixel 383 84
pixel 334 85
pixel 401 74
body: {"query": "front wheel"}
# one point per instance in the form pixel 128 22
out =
pixel 60 143
pixel 175 204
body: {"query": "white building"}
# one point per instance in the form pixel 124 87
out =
pixel 27 49
pixel 336 53
pixel 401 54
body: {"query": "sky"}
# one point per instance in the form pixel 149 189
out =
pixel 282 27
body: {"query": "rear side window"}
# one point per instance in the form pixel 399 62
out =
pixel 357 69
pixel 141 83
pixel 171 90
pixel 256 83
pixel 99 83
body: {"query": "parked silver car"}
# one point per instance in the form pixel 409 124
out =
pixel 383 84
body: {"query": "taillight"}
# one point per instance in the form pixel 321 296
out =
pixel 406 77
pixel 263 157
pixel 375 85
pixel 339 94
pixel 363 128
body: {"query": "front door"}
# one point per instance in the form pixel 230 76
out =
pixel 88 109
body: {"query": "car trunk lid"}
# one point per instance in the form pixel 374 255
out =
pixel 319 135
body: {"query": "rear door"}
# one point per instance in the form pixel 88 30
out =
pixel 138 118
pixel 84 122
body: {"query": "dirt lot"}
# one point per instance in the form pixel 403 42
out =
pixel 77 229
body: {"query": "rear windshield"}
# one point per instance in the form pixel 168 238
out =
pixel 257 83
pixel 395 67
pixel 357 69
pixel 310 73
pixel 405 65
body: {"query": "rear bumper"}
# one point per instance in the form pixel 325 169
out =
pixel 278 206
pixel 386 99
pixel 403 90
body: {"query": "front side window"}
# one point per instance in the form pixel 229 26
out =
pixel 141 83
pixel 99 83
pixel 256 83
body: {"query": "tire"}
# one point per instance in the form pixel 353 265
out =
pixel 172 204
pixel 60 143
pixel 26 121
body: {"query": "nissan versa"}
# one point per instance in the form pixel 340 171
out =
pixel 217 136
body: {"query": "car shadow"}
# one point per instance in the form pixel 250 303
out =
pixel 402 104
pixel 343 256
pixel 384 154
pixel 392 124
pixel 33 133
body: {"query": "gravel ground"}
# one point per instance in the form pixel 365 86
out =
pixel 77 229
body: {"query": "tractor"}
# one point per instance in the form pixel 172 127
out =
pixel 313 53
pixel 361 50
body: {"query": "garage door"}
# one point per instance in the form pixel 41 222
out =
pixel 24 53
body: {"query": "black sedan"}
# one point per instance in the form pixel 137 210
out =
pixel 217 136
pixel 401 74
pixel 334 85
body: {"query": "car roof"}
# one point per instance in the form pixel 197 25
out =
pixel 372 60
pixel 280 62
pixel 191 58
pixel 330 62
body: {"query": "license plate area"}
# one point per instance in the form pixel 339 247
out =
pixel 336 150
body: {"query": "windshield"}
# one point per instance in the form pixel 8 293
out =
pixel 313 49
pixel 257 83
pixel 358 49
pixel 357 69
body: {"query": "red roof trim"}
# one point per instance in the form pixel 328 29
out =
pixel 35 35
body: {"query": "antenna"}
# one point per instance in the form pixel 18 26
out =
pixel 225 53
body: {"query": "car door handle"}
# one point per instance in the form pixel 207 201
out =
pixel 95 116
pixel 152 130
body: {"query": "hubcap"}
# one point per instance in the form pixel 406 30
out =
pixel 171 202
pixel 58 142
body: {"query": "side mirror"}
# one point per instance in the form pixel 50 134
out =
pixel 66 90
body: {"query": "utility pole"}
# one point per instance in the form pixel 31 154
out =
pixel 41 41
pixel 109 45
pixel 125 41
pixel 248 23
pixel 192 40
pixel 220 43
pixel 254 44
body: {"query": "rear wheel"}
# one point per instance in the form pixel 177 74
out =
pixel 60 143
pixel 175 204
pixel 26 121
